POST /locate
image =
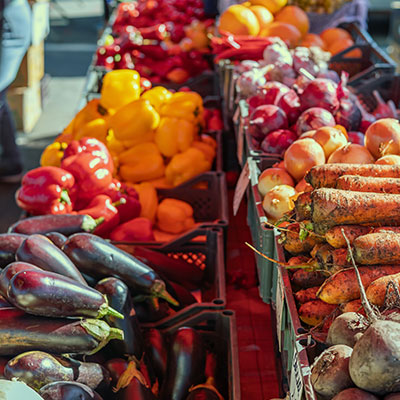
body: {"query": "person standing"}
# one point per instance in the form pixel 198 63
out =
pixel 15 37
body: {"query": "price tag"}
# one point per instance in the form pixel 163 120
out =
pixel 279 301
pixel 296 380
pixel 241 187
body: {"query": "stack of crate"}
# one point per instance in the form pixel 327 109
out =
pixel 24 96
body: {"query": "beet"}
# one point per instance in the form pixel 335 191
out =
pixel 356 137
pixel 265 119
pixel 355 394
pixel 278 141
pixel 314 118
pixel 348 115
pixel 267 94
pixel 320 92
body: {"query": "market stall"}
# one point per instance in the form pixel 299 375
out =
pixel 130 272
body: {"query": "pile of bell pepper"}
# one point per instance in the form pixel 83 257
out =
pixel 153 135
pixel 165 41
pixel 84 183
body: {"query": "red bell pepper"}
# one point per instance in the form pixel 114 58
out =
pixel 102 206
pixel 91 146
pixel 135 230
pixel 91 173
pixel 45 190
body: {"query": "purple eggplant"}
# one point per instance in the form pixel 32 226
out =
pixel 116 366
pixel 67 224
pixel 135 391
pixel 185 365
pixel 4 303
pixel 118 296
pixel 12 269
pixel 40 251
pixel 184 297
pixel 20 332
pixel 156 350
pixel 9 243
pixel 68 391
pixel 57 238
pixel 95 256
pixel 53 295
pixel 37 369
pixel 147 312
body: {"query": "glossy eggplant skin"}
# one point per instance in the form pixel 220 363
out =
pixel 135 391
pixel 95 256
pixel 37 369
pixel 202 394
pixel 20 332
pixel 184 297
pixel 9 243
pixel 53 295
pixel 12 269
pixel 156 350
pixel 68 391
pixel 185 366
pixel 57 238
pixel 42 252
pixel 118 296
pixel 146 312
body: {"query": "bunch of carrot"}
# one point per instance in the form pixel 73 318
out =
pixel 352 210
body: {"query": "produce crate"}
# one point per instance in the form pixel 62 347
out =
pixel 263 237
pixel 225 72
pixel 208 255
pixel 218 330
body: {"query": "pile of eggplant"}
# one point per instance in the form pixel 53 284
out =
pixel 70 320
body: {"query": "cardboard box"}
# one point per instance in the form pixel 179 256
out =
pixel 31 69
pixel 40 21
pixel 25 104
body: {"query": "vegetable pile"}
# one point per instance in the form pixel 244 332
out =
pixel 63 299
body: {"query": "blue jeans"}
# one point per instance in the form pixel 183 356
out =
pixel 15 40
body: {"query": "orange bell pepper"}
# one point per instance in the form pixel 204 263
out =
pixel 96 128
pixel 186 165
pixel 148 200
pixel 114 146
pixel 147 137
pixel 53 154
pixel 157 96
pixel 160 183
pixel 120 87
pixel 174 216
pixel 174 135
pixel 183 105
pixel 141 163
pixel 90 112
pixel 208 150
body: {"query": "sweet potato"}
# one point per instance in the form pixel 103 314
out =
pixel 332 259
pixel 302 206
pixel 306 295
pixel 368 184
pixel 306 279
pixel 395 229
pixel 294 243
pixel 352 306
pixel 376 291
pixel 332 207
pixel 326 175
pixel 343 287
pixel 313 312
pixel 335 238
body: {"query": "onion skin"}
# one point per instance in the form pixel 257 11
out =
pixel 330 139
pixel 272 177
pixel 390 159
pixel 383 137
pixel 277 201
pixel 351 154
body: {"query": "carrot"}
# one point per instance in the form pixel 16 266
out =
pixel 293 239
pixel 377 248
pixel 302 206
pixel 305 295
pixel 395 229
pixel 332 207
pixel 306 279
pixel 369 184
pixel 342 287
pixel 326 175
pixel 352 306
pixel 376 291
pixel 313 312
pixel 335 237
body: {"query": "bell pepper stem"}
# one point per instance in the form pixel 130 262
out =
pixel 121 201
pixel 65 197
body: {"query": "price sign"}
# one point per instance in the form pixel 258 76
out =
pixel 296 380
pixel 279 302
pixel 241 187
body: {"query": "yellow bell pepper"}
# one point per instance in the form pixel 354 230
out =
pixel 208 150
pixel 114 146
pixel 186 165
pixel 174 216
pixel 148 137
pixel 134 120
pixel 97 129
pixel 88 113
pixel 119 87
pixel 148 200
pixel 183 105
pixel 53 154
pixel 174 135
pixel 157 96
pixel 141 163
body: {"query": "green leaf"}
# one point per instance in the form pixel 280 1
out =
pixel 303 234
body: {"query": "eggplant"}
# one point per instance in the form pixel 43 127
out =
pixel 95 256
pixel 9 243
pixel 20 332
pixel 185 366
pixel 68 391
pixel 40 251
pixel 67 224
pixel 184 297
pixel 12 269
pixel 53 295
pixel 37 369
pixel 147 312
pixel 4 303
pixel 176 270
pixel 118 296
pixel 57 238
pixel 156 350
pixel 12 390
pixel 116 366
pixel 135 391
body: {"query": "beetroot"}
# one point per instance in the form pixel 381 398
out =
pixel 265 119
pixel 314 118
pixel 290 104
pixel 320 93
pixel 278 141
pixel 348 115
pixel 268 94
pixel 329 74
pixel 356 137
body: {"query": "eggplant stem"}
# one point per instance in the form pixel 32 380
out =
pixel 114 313
pixel 126 377
pixel 159 290
pixel 156 303
pixel 209 385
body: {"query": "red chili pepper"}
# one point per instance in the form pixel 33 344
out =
pixel 135 230
pixel 156 32
pixel 44 190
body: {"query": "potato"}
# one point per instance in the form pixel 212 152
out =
pixel 354 394
pixel 346 329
